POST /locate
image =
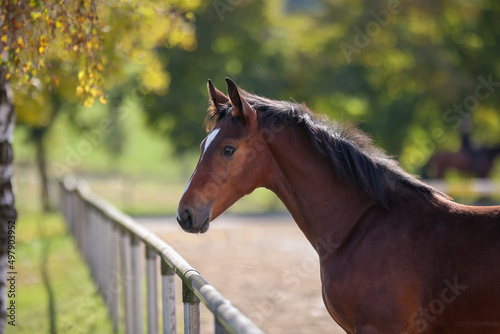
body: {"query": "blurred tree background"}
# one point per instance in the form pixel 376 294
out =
pixel 406 72
pixel 398 67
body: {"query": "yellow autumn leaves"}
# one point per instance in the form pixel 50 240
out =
pixel 86 33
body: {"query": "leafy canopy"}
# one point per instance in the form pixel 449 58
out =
pixel 29 29
pixel 398 67
pixel 91 42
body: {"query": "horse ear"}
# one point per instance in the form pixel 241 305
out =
pixel 241 106
pixel 216 96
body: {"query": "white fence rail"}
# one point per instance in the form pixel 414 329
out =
pixel 115 246
pixel 467 187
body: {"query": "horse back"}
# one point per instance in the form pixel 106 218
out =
pixel 461 293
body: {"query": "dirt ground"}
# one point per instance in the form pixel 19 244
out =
pixel 263 264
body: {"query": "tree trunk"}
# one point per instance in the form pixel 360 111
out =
pixel 39 140
pixel 8 213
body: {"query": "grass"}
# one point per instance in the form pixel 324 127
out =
pixel 54 291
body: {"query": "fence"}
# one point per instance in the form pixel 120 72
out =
pixel 467 187
pixel 111 243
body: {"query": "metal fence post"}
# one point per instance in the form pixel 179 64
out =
pixel 107 268
pixel 152 290
pixel 80 214
pixel 88 213
pixel 168 299
pixel 115 270
pixel 99 253
pixel 127 264
pixel 137 285
pixel 191 310
pixel 105 253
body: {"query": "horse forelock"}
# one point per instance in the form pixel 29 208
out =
pixel 224 111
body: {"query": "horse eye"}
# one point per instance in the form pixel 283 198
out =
pixel 228 151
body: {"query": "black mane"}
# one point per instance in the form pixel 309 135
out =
pixel 353 156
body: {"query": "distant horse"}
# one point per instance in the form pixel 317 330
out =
pixel 396 255
pixel 475 161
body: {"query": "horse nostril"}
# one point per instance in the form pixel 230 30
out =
pixel 185 220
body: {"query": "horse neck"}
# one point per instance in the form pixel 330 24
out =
pixel 324 208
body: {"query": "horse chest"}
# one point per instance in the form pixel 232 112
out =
pixel 356 294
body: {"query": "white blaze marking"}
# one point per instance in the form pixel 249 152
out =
pixel 189 182
pixel 209 140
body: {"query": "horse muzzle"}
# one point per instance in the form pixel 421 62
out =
pixel 193 221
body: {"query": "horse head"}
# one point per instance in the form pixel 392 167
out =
pixel 234 160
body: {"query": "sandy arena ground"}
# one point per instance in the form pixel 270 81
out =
pixel 263 264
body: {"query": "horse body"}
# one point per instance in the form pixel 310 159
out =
pixel 418 275
pixel 396 255
pixel 386 268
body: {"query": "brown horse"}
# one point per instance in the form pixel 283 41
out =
pixel 397 256
pixel 474 161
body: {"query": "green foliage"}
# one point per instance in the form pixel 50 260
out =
pixel 87 148
pixel 398 67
